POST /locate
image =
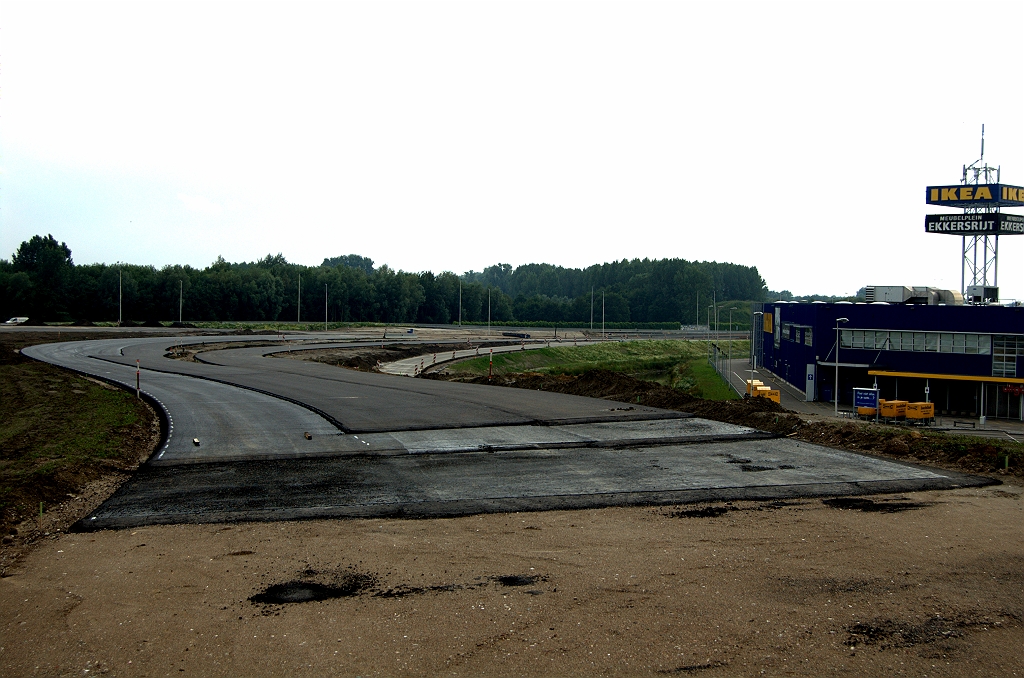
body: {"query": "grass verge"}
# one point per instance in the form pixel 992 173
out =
pixel 60 431
pixel 678 364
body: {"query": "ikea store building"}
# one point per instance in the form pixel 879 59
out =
pixel 966 359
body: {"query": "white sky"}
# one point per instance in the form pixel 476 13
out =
pixel 798 138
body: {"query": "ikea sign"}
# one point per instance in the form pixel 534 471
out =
pixel 977 195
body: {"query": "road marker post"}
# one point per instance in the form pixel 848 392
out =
pixel 490 365
pixel 138 370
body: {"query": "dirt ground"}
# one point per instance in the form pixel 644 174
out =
pixel 929 584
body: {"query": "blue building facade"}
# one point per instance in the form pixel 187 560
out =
pixel 968 360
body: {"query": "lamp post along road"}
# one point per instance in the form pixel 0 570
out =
pixel 729 363
pixel 710 343
pixel 836 385
pixel 753 355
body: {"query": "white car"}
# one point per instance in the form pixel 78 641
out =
pixel 15 321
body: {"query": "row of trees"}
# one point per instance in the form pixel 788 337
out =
pixel 42 281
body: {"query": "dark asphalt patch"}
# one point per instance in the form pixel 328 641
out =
pixel 516 579
pixel 692 668
pixel 703 512
pixel 872 506
pixel 716 511
pixel 403 590
pixel 754 468
pixel 890 633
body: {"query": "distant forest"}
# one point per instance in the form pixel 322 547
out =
pixel 42 281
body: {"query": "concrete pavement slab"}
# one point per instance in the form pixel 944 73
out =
pixel 460 484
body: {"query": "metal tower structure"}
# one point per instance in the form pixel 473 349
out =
pixel 983 247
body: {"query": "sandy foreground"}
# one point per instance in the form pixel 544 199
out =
pixel 929 583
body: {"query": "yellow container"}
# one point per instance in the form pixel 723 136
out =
pixel 866 411
pixel 894 409
pixel 769 393
pixel 920 410
pixel 752 383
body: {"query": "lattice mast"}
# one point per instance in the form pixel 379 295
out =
pixel 987 246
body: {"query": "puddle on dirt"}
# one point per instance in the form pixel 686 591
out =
pixel 300 591
pixel 872 506
pixel 737 460
pixel 754 468
pixel 320 586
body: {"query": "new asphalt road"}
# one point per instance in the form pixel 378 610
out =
pixel 282 439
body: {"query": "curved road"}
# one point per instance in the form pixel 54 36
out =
pixel 285 439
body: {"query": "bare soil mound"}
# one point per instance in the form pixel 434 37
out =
pixel 365 358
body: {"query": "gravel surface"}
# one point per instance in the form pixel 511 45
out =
pixel 928 583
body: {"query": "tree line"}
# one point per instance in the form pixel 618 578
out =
pixel 42 281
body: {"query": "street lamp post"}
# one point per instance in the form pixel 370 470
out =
pixel 753 355
pixel 710 343
pixel 836 385
pixel 729 363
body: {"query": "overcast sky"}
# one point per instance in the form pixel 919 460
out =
pixel 795 137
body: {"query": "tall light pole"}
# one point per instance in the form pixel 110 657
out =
pixel 753 355
pixel 325 307
pixel 836 385
pixel 602 315
pixel 119 298
pixel 460 302
pixel 730 339
pixel 180 283
pixel 488 310
pixel 591 308
pixel 298 310
pixel 710 345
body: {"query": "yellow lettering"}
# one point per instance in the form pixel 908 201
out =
pixel 983 193
pixel 1012 193
pixel 949 193
pixel 1004 193
pixel 966 193
pixel 935 194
